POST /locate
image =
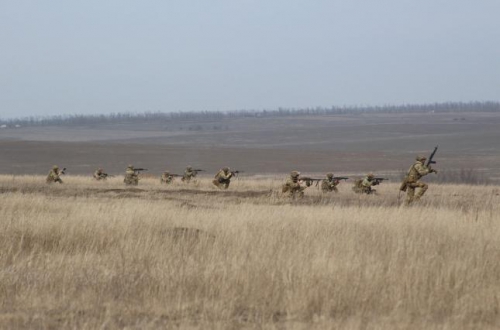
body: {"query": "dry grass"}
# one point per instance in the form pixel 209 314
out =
pixel 98 255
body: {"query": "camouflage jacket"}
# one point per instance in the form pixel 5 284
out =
pixel 223 176
pixel 417 171
pixel 329 183
pixel 189 174
pixel 367 183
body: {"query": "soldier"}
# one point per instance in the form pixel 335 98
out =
pixel 100 175
pixel 54 175
pixel 329 184
pixel 415 173
pixel 365 186
pixel 131 176
pixel 223 178
pixel 189 174
pixel 166 177
pixel 292 186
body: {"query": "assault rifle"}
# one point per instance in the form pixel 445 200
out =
pixel 198 170
pixel 338 178
pixel 140 169
pixel 431 161
pixel 235 173
pixel 106 175
pixel 63 171
pixel 379 180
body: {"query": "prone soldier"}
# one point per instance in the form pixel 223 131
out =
pixel 412 180
pixel 55 175
pixel 223 178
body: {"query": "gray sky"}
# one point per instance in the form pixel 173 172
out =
pixel 62 57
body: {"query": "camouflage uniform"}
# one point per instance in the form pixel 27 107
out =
pixel 415 173
pixel 131 177
pixel 166 178
pixel 329 184
pixel 100 175
pixel 54 175
pixel 188 174
pixel 364 186
pixel 292 186
pixel 223 178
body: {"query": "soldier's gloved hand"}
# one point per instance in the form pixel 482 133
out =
pixel 434 171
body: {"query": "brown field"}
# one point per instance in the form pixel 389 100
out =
pixel 345 144
pixel 98 255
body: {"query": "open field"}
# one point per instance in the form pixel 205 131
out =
pixel 93 255
pixel 347 144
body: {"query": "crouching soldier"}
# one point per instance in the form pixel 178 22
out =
pixel 223 178
pixel 365 185
pixel 100 175
pixel 189 174
pixel 55 175
pixel 131 176
pixel 292 186
pixel 329 184
pixel 166 178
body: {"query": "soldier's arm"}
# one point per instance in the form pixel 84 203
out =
pixel 422 169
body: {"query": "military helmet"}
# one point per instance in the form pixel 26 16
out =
pixel 421 158
pixel 166 172
pixel 189 168
pixel 329 175
pixel 55 167
pixel 295 174
pixel 225 169
pixel 370 175
pixel 130 166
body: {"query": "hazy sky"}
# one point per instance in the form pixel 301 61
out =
pixel 61 57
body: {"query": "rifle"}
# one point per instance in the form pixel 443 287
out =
pixel 106 175
pixel 197 170
pixel 310 181
pixel 140 169
pixel 379 180
pixel 431 161
pixel 340 178
pixel 63 171
pixel 235 173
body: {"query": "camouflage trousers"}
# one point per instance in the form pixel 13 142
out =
pixel 221 184
pixel 131 180
pixel 53 180
pixel 410 191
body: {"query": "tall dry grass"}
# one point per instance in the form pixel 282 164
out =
pixel 98 255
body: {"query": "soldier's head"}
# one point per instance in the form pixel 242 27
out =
pixel 225 169
pixel 329 175
pixel 189 168
pixel 100 169
pixel 130 166
pixel 370 176
pixel 166 172
pixel 295 174
pixel 421 158
pixel 55 167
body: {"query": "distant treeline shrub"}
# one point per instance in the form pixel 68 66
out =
pixel 80 120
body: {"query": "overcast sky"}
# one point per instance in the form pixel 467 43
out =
pixel 65 57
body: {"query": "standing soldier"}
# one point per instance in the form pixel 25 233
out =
pixel 365 186
pixel 166 177
pixel 223 178
pixel 329 184
pixel 411 182
pixel 55 175
pixel 131 176
pixel 189 174
pixel 292 186
pixel 100 175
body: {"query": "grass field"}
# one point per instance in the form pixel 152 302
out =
pixel 98 255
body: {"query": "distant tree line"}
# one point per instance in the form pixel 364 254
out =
pixel 82 120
